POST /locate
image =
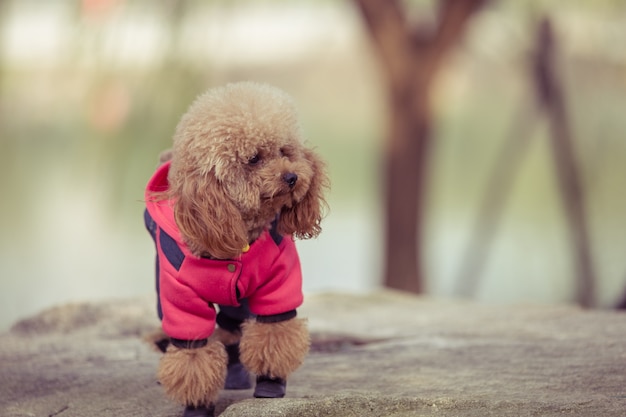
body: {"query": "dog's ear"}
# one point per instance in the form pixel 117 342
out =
pixel 303 219
pixel 165 156
pixel 208 221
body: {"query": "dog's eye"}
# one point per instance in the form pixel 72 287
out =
pixel 254 160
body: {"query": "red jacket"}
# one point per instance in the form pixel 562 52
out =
pixel 268 274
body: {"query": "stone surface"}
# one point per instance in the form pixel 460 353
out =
pixel 382 354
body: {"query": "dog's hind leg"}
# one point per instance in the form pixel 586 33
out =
pixel 229 320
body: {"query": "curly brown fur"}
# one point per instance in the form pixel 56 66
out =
pixel 194 376
pixel 233 153
pixel 209 221
pixel 274 349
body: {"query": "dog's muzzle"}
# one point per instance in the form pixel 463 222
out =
pixel 290 178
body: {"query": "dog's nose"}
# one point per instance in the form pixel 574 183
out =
pixel 290 178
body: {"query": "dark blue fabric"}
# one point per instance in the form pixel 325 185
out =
pixel 170 249
pixel 277 318
pixel 230 318
pixel 150 224
pixel 152 229
pixel 276 237
pixel 189 344
pixel 158 290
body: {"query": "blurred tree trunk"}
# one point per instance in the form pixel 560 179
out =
pixel 500 183
pixel 621 304
pixel 551 97
pixel 411 56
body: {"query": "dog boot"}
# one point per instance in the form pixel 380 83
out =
pixel 162 344
pixel 237 376
pixel 267 387
pixel 200 411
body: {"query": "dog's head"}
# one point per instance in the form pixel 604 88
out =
pixel 238 163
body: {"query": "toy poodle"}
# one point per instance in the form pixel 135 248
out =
pixel 223 209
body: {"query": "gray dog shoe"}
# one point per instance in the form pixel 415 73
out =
pixel 267 387
pixel 202 411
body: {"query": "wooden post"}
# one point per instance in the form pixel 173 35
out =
pixel 550 95
pixel 411 57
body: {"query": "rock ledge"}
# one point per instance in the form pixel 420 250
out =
pixel 382 354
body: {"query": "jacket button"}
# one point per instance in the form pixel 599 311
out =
pixel 231 268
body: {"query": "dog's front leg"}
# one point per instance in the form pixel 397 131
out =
pixel 273 350
pixel 193 373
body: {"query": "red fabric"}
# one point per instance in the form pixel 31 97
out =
pixel 268 275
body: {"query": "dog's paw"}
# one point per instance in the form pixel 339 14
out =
pixel 267 387
pixel 202 411
pixel 237 377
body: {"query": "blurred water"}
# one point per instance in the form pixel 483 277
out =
pixel 74 251
pixel 76 254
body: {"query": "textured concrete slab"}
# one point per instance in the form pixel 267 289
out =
pixel 383 354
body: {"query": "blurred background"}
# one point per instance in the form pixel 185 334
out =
pixel 91 91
